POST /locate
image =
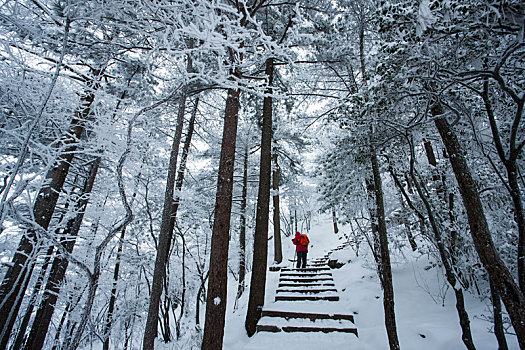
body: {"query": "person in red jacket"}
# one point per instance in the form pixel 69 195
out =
pixel 301 242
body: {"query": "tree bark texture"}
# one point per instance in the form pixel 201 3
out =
pixel 277 246
pixel 503 281
pixel 260 244
pixel 385 267
pixel 164 243
pixel 45 311
pixel 13 286
pixel 218 273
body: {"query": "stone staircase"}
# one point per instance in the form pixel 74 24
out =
pixel 300 294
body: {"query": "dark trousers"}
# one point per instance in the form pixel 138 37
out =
pixel 301 259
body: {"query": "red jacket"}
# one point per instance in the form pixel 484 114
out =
pixel 298 247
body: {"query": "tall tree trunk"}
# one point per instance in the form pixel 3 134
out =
pixel 178 188
pixel 165 323
pixel 503 281
pixel 375 244
pixel 45 311
pixel 498 319
pixel 164 242
pixel 385 267
pixel 385 272
pixel 277 246
pixel 218 272
pixel 260 244
pixel 242 233
pixel 13 285
pixel 182 305
pixel 182 168
pixel 334 220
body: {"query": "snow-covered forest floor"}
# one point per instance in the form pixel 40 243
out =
pixel 425 308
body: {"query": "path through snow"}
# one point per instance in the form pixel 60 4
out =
pixel 422 321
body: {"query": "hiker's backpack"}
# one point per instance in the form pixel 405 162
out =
pixel 303 240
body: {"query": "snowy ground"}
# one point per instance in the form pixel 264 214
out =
pixel 424 321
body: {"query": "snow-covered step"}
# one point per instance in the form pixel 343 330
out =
pixel 308 293
pixel 307 297
pixel 309 315
pixel 297 277
pixel 307 269
pixel 309 284
pixel 307 301
pixel 281 324
pixel 305 274
pixel 305 279
pixel 304 289
pixel 318 271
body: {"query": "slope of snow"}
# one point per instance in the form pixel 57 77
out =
pixel 425 309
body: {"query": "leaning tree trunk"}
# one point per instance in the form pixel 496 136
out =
pixel 260 244
pixel 45 311
pixel 13 285
pixel 218 273
pixel 447 259
pixel 164 243
pixel 385 267
pixel 503 281
pixel 277 246
pixel 464 321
